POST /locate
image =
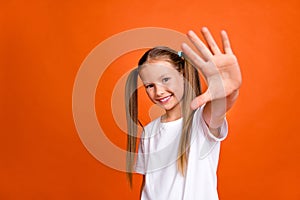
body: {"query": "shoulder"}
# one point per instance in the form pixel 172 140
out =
pixel 151 126
pixel 152 123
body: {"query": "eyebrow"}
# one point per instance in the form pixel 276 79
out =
pixel 161 76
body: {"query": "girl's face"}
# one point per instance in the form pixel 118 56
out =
pixel 163 84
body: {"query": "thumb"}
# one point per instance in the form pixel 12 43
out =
pixel 200 100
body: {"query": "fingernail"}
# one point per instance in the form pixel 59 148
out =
pixel 204 28
pixel 190 33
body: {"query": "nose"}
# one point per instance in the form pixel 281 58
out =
pixel 159 90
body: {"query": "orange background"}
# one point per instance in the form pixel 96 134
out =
pixel 43 44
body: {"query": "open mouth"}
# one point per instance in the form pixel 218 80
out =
pixel 165 99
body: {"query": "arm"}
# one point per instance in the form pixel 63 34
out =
pixel 214 120
pixel 222 74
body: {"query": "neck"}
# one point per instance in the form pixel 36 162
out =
pixel 172 115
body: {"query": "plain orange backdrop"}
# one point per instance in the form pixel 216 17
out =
pixel 43 44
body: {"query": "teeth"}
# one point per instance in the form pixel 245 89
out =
pixel 165 99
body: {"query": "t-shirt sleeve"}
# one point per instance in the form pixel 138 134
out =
pixel 140 159
pixel 210 140
pixel 223 128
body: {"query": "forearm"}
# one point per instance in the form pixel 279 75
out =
pixel 214 112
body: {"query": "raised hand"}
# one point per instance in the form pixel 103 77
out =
pixel 220 69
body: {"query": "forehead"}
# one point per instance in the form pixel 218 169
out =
pixel 152 71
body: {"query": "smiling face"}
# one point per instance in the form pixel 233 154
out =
pixel 163 84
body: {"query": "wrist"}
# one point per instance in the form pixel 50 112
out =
pixel 216 122
pixel 215 113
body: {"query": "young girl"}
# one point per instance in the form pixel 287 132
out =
pixel 178 152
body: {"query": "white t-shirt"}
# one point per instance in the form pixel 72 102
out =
pixel 157 160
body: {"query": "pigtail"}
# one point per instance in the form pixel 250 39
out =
pixel 191 89
pixel 131 103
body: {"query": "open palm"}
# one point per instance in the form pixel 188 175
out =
pixel 220 69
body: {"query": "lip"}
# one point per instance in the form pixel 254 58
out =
pixel 164 99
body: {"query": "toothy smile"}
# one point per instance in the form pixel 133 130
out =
pixel 165 99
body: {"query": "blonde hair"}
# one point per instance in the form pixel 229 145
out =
pixel 191 90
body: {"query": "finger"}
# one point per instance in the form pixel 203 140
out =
pixel 226 43
pixel 210 41
pixel 199 45
pixel 200 100
pixel 193 57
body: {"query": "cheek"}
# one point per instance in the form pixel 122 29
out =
pixel 178 86
pixel 151 96
pixel 149 93
pixel 180 90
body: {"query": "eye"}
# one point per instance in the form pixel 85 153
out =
pixel 149 86
pixel 164 80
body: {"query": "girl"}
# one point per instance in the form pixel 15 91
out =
pixel 178 152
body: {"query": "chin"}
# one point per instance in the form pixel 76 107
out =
pixel 169 107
